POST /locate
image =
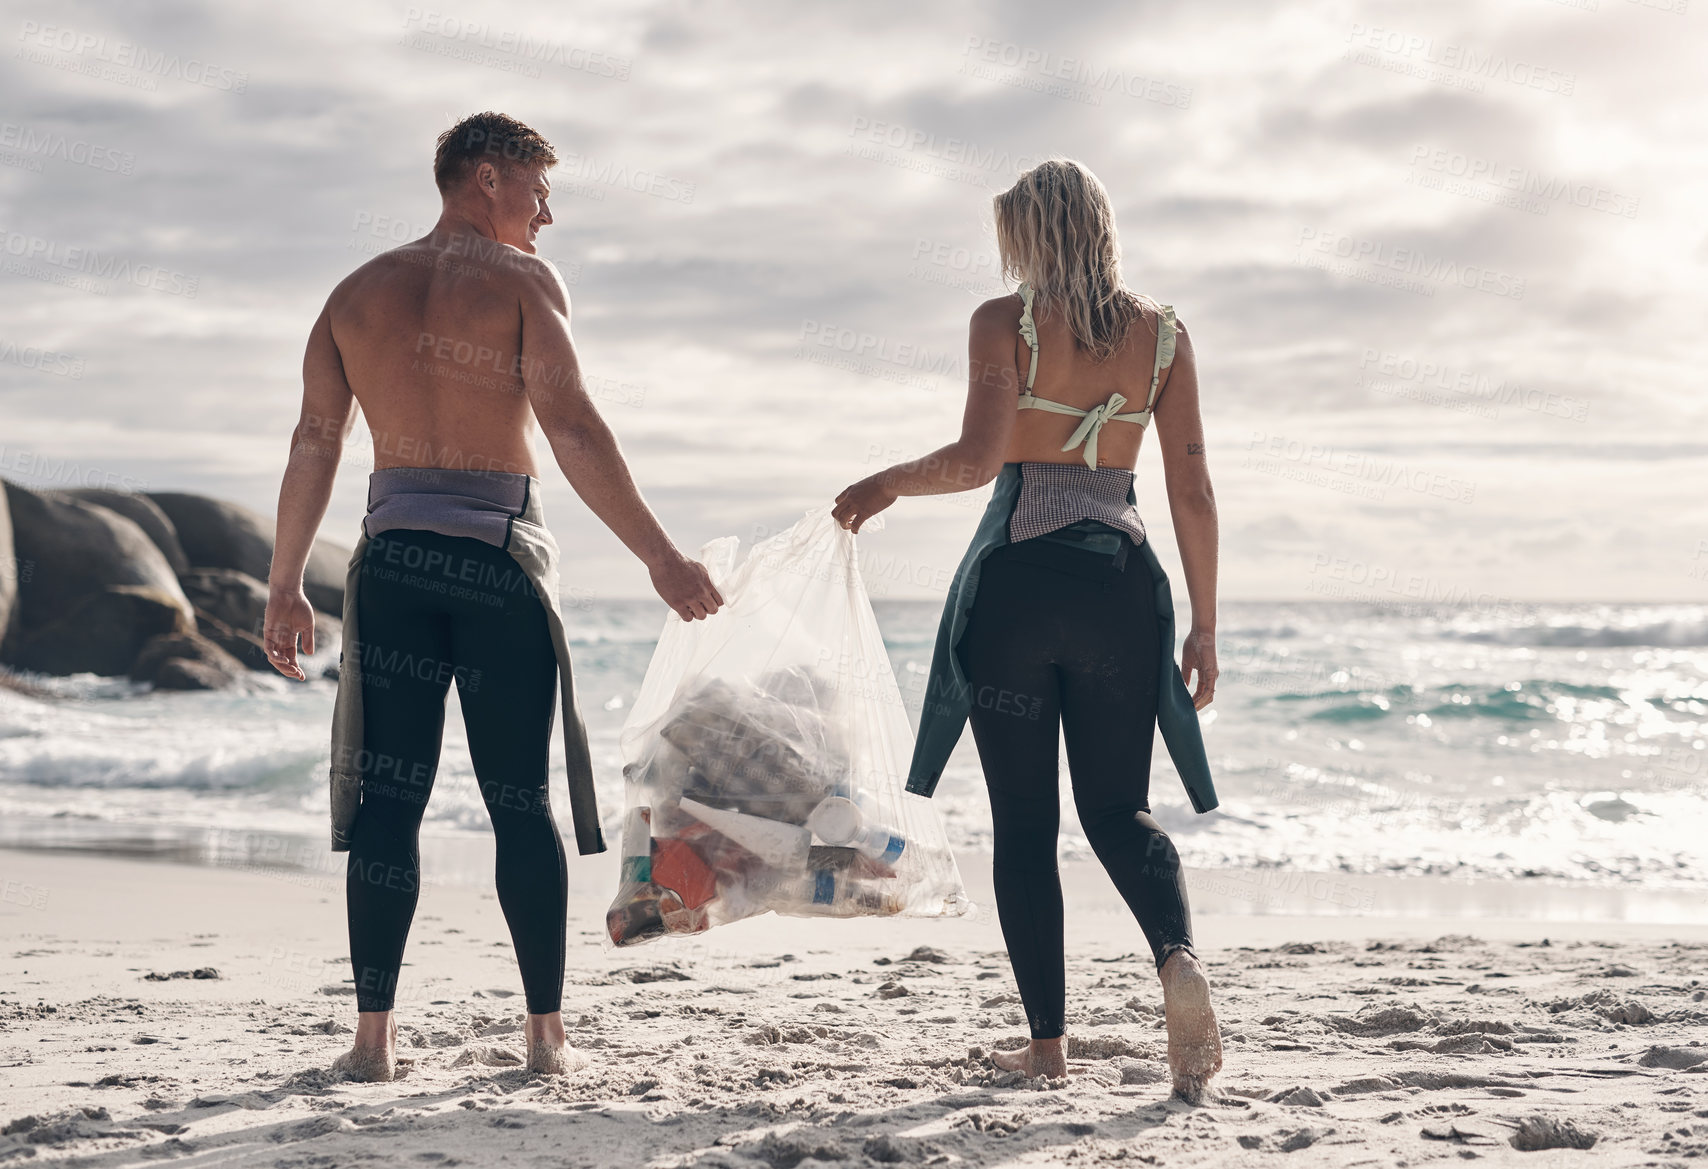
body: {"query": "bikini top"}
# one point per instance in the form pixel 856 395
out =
pixel 1092 420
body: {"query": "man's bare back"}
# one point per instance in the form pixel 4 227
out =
pixel 430 340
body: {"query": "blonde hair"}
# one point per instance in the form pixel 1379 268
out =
pixel 1056 230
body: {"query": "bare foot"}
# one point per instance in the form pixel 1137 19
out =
pixel 549 1052
pixel 1041 1057
pixel 372 1057
pixel 1194 1038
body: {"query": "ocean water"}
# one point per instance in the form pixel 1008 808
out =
pixel 1563 743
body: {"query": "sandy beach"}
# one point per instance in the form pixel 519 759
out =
pixel 156 1011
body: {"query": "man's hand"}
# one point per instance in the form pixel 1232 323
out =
pixel 289 616
pixel 687 587
pixel 861 501
pixel 1199 653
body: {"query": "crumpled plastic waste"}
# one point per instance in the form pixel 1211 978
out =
pixel 767 757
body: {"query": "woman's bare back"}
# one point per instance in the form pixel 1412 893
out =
pixel 1068 375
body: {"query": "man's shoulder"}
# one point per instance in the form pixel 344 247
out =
pixel 484 259
pixel 384 266
pixel 532 266
pixel 490 259
pixel 534 274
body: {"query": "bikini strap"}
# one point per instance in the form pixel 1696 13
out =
pixel 1028 333
pixel 1164 351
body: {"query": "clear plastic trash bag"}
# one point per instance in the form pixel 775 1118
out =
pixel 765 757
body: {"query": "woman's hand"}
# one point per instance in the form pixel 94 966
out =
pixel 861 501
pixel 1199 654
pixel 289 616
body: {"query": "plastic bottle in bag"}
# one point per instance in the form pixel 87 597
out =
pixel 767 752
pixel 836 894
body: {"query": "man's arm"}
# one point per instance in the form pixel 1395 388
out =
pixel 987 422
pixel 587 452
pixel 317 443
pixel 1192 504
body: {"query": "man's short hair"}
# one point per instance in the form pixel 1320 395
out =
pixel 487 137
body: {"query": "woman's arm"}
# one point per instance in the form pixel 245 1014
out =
pixel 1192 503
pixel 993 386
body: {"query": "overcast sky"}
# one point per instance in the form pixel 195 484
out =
pixel 1443 262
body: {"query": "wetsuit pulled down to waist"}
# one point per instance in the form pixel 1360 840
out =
pixel 1063 642
pixel 437 610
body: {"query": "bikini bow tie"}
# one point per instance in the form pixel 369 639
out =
pixel 1093 421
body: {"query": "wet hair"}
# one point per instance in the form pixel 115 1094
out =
pixel 1056 230
pixel 488 137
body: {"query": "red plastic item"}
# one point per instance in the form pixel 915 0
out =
pixel 677 867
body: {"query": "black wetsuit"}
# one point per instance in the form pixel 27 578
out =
pixel 421 631
pixel 1060 636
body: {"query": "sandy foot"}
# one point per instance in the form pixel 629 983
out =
pixel 1041 1057
pixel 1194 1039
pixel 555 1059
pixel 370 1065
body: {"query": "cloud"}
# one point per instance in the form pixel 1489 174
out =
pixel 841 163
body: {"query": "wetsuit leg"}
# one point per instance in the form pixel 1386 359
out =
pixel 1109 704
pixel 1014 719
pixel 1063 627
pixel 405 634
pixel 507 683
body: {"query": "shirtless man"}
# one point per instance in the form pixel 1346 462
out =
pixel 453 345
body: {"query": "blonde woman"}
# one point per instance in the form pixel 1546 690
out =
pixel 1060 614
